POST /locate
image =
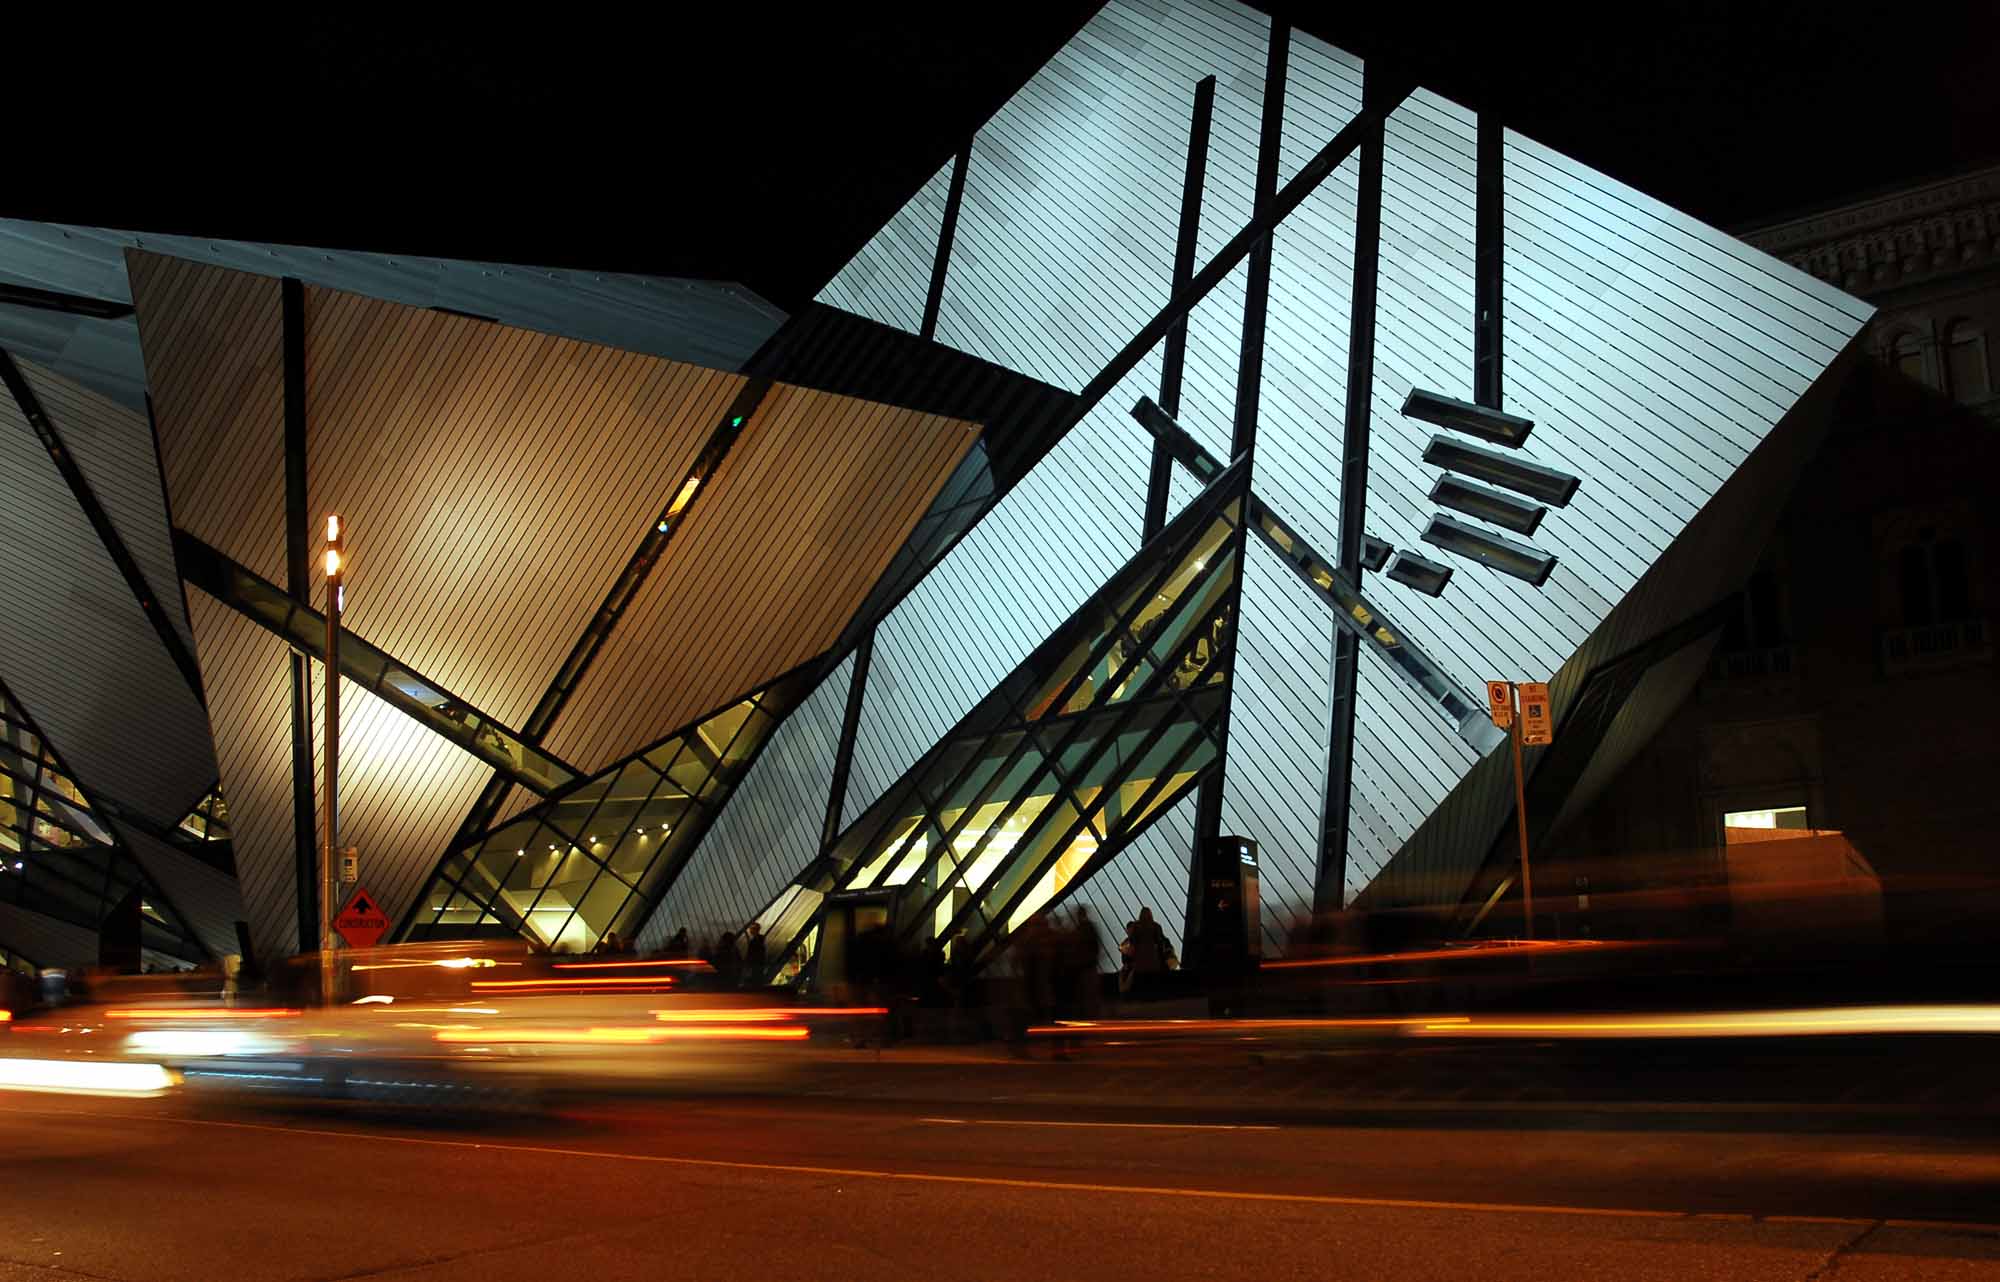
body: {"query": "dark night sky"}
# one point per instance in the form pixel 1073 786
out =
pixel 764 144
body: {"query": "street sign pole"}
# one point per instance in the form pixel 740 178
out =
pixel 1521 821
pixel 328 851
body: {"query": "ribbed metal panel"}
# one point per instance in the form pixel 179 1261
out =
pixel 44 940
pixel 494 482
pixel 403 792
pixel 806 512
pixel 214 360
pixel 889 278
pixel 78 652
pixel 1277 732
pixel 708 322
pixel 770 830
pixel 1027 565
pixel 1653 354
pixel 208 899
pixel 247 675
pixel 113 445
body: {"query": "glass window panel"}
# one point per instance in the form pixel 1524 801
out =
pixel 1042 695
pixel 1025 860
pixel 749 737
pixel 719 731
pixel 643 841
pixel 888 847
pixel 1197 611
pixel 599 907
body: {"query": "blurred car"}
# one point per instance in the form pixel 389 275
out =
pixel 487 1024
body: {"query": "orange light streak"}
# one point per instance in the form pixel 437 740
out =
pixel 574 985
pixel 1095 1028
pixel 629 965
pixel 614 1036
pixel 213 1012
pixel 1507 949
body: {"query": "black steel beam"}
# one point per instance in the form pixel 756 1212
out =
pixel 843 756
pixel 947 231
pixel 1489 236
pixel 100 521
pixel 1174 365
pixel 1258 229
pixel 49 300
pixel 305 820
pixel 1330 878
pixel 1243 449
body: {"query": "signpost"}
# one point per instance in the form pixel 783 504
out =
pixel 1528 722
pixel 362 922
pixel 1535 728
pixel 350 865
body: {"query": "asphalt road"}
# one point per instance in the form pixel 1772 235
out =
pixel 816 1188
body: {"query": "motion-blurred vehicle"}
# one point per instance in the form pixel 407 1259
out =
pixel 487 1024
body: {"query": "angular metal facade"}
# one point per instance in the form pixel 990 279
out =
pixel 1653 354
pixel 591 548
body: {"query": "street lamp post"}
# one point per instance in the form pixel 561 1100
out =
pixel 328 852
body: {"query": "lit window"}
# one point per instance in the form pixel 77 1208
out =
pixel 1764 825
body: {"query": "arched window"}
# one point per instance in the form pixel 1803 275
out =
pixel 1907 355
pixel 1965 362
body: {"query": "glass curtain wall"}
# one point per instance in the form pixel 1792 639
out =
pixel 1106 725
pixel 592 861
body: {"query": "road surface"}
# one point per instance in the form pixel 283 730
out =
pixel 182 1189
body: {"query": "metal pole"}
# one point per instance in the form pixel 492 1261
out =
pixel 335 571
pixel 1521 812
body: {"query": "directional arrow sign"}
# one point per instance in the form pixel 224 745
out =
pixel 361 923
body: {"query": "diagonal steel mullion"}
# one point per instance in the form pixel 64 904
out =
pixel 1102 646
pixel 1141 700
pixel 1142 697
pixel 1084 816
pixel 1098 860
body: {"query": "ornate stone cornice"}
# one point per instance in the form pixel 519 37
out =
pixel 1938 228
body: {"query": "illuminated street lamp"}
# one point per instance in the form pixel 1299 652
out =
pixel 336 568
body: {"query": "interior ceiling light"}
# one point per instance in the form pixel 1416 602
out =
pixel 1505 555
pixel 1553 487
pixel 1493 425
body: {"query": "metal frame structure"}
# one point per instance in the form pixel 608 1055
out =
pixel 596 858
pixel 1127 693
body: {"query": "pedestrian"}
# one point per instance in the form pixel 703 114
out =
pixel 728 962
pixel 753 954
pixel 678 946
pixel 1145 950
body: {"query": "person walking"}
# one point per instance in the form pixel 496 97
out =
pixel 1145 950
pixel 753 954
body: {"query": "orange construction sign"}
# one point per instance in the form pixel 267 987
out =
pixel 362 923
